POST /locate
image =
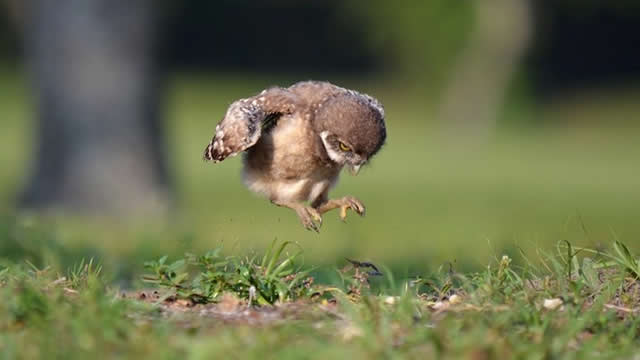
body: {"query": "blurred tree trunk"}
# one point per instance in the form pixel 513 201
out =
pixel 99 135
pixel 500 38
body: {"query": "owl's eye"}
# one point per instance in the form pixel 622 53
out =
pixel 344 147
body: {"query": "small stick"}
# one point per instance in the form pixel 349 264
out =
pixel 359 264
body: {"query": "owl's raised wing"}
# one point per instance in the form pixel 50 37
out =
pixel 245 120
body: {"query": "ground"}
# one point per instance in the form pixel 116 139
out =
pixel 568 303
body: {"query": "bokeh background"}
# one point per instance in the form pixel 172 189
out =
pixel 513 124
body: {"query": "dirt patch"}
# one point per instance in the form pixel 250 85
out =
pixel 231 310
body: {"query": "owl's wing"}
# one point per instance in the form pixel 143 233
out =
pixel 245 120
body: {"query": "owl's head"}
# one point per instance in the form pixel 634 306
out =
pixel 352 129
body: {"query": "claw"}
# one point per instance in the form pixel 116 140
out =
pixel 316 215
pixel 313 227
pixel 343 212
pixel 357 206
pixel 310 218
pixel 353 204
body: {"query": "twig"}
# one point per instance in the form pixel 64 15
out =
pixel 359 264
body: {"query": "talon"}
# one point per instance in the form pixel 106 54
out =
pixel 353 204
pixel 343 212
pixel 344 204
pixel 313 227
pixel 310 218
pixel 361 209
pixel 310 225
pixel 316 215
pixel 357 206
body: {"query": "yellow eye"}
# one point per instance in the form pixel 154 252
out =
pixel 344 147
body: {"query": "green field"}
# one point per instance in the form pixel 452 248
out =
pixel 568 171
pixel 430 198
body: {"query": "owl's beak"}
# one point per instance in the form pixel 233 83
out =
pixel 355 169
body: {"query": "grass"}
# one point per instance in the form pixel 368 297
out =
pixel 569 303
pixel 260 282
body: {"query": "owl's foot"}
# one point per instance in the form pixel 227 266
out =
pixel 349 202
pixel 345 203
pixel 310 218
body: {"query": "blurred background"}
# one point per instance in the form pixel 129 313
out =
pixel 513 124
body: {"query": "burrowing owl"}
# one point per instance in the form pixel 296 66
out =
pixel 297 139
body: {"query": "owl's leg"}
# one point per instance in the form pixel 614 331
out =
pixel 344 203
pixel 309 216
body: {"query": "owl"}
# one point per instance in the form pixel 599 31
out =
pixel 296 141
